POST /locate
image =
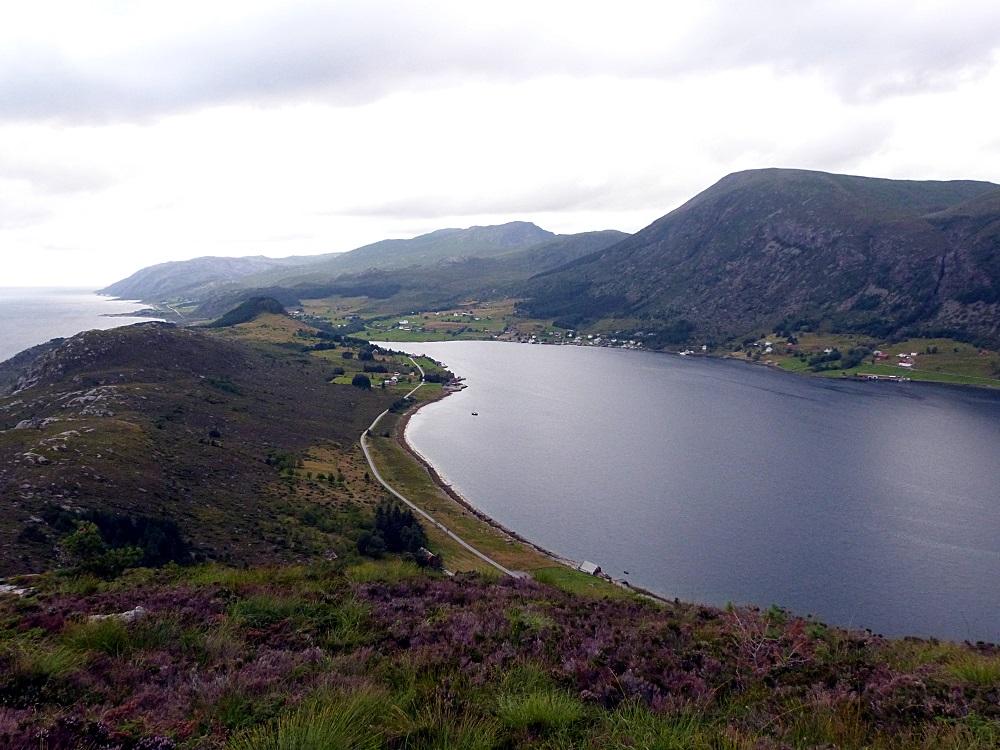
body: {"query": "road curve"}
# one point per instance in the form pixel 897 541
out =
pixel 430 519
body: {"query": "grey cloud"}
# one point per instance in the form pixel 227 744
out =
pixel 354 52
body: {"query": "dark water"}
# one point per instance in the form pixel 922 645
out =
pixel 31 316
pixel 867 504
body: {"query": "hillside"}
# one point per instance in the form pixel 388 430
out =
pixel 249 310
pixel 157 422
pixel 811 249
pixel 425 285
pixel 426 249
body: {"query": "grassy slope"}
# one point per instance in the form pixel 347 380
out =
pixel 938 360
pixel 379 654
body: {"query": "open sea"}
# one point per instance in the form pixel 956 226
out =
pixel 32 315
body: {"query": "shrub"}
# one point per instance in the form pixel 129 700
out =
pixel 159 540
pixel 86 550
pixel 371 544
pixel 361 381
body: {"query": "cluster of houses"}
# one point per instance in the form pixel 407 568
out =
pixel 903 359
pixel 571 338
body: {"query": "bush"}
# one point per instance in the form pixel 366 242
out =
pixel 361 381
pixel 86 551
pixel 371 545
pixel 159 540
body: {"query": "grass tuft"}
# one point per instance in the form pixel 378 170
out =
pixel 109 637
pixel 40 662
pixel 390 570
pixel 337 723
pixel 542 711
pixel 977 669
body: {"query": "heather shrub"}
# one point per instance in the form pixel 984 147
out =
pixel 238 709
pixel 348 722
pixel 32 673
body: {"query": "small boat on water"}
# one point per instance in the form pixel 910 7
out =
pixel 475 413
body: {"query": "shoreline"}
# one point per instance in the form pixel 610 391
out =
pixel 723 358
pixel 399 435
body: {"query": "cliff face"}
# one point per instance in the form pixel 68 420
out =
pixel 765 246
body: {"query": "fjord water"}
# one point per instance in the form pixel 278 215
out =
pixel 871 505
pixel 31 316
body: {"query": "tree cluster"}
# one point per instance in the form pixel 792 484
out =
pixel 396 530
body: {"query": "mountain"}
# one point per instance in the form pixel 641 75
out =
pixel 766 247
pixel 201 277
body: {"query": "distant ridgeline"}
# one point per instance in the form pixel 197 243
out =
pixel 758 251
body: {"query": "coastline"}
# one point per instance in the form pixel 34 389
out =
pixel 399 436
pixel 726 357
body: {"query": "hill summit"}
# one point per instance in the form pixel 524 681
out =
pixel 250 310
pixel 768 246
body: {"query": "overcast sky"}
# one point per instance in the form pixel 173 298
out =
pixel 137 132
